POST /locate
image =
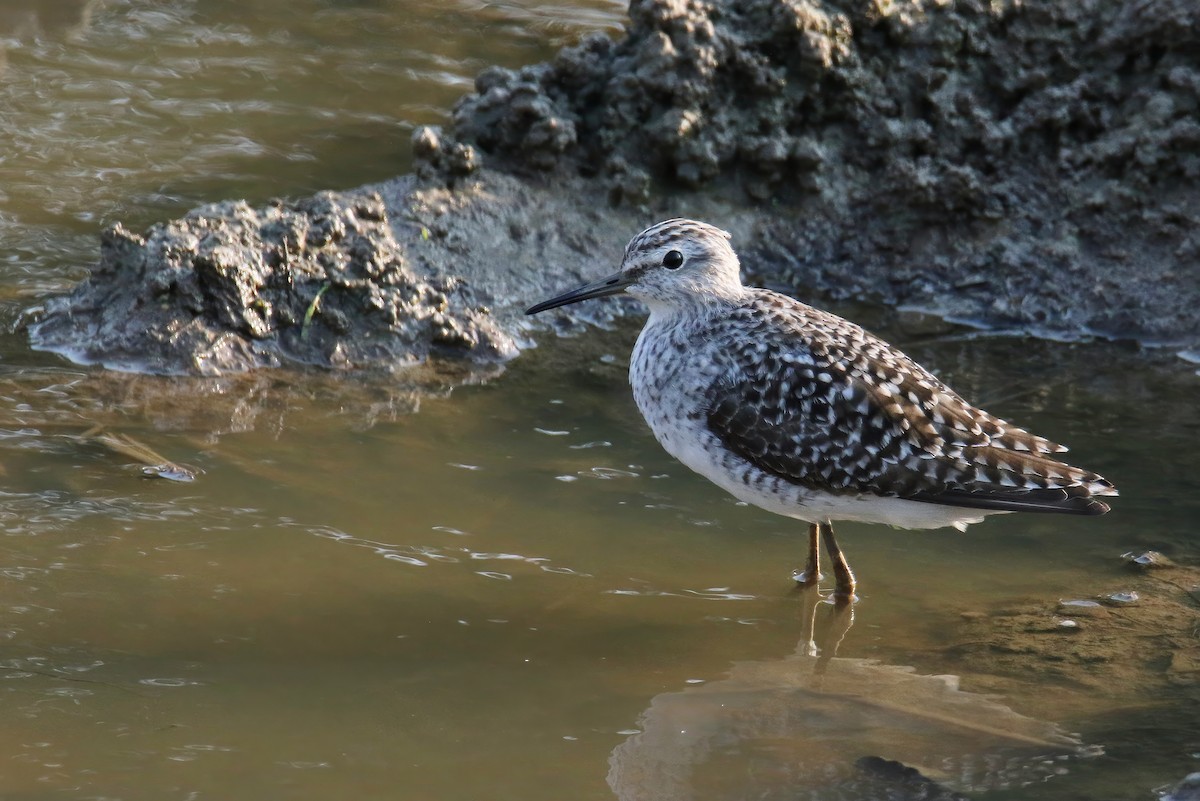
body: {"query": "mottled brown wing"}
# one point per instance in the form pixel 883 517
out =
pixel 834 408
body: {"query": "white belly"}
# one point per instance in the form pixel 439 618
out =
pixel 695 447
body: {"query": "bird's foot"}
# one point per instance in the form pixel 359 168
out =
pixel 807 577
pixel 841 597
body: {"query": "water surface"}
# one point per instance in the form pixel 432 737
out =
pixel 369 593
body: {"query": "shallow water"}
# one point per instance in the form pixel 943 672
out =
pixel 495 592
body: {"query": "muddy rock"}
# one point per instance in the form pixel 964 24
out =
pixel 1027 165
pixel 228 287
pixel 387 276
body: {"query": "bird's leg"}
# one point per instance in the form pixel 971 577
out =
pixel 841 571
pixel 812 571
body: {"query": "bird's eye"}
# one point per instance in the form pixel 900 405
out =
pixel 673 260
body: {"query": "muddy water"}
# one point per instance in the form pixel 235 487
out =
pixel 507 591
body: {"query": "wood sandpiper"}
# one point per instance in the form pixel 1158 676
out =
pixel 805 414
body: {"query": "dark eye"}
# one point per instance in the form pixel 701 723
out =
pixel 673 260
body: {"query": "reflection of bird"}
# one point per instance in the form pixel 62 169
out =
pixel 793 727
pixel 805 414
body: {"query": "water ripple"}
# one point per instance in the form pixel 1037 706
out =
pixel 170 682
pixel 707 595
pixel 424 555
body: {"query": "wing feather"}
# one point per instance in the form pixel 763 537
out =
pixel 831 407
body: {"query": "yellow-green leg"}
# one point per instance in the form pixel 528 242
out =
pixel 812 570
pixel 841 570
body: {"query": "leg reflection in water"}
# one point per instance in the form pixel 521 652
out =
pixel 814 724
pixel 821 639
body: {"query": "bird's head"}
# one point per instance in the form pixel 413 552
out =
pixel 677 263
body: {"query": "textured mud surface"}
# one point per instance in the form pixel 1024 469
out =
pixel 229 287
pixel 386 276
pixel 1023 165
pixel 1019 164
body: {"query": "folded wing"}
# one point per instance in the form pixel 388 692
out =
pixel 836 409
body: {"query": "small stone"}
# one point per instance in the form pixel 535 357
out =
pixel 426 142
pixel 1147 559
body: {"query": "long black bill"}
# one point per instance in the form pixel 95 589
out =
pixel 612 285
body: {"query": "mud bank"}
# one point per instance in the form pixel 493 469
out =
pixel 1022 165
pixel 1015 164
pixel 385 276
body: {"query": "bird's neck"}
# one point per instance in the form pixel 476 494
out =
pixel 697 305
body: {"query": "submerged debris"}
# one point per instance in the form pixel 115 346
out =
pixel 1147 559
pixel 154 465
pixel 906 783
